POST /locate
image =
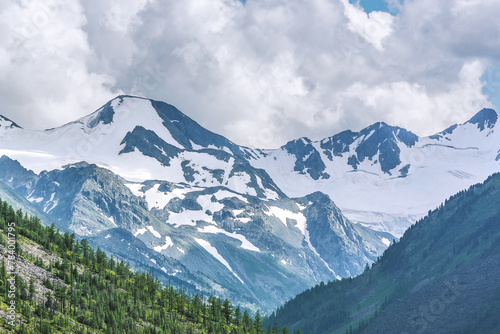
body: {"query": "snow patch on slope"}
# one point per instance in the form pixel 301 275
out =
pixel 188 217
pixel 140 231
pixel 283 214
pixel 112 220
pixel 222 194
pixel 154 232
pixel 245 244
pixel 268 193
pixel 213 251
pixel 206 203
pixel 168 243
pixel 385 241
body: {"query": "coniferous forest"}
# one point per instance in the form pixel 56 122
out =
pixel 62 285
pixel 441 276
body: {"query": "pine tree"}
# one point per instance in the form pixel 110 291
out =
pixel 258 323
pixel 49 301
pixel 247 322
pixel 3 279
pixel 227 311
pixel 32 289
pixel 237 317
pixel 276 328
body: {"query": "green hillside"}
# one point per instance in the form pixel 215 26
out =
pixel 53 283
pixel 443 276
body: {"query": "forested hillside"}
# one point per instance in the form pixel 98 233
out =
pixel 60 284
pixel 443 276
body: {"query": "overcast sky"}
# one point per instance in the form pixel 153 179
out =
pixel 259 73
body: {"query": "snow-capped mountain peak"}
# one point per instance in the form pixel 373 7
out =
pixel 6 123
pixel 382 141
pixel 486 118
pixel 102 116
pixel 142 139
pixel 183 132
pixel 381 175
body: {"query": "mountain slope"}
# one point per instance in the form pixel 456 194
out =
pixel 64 286
pixel 24 179
pixel 442 277
pixel 258 253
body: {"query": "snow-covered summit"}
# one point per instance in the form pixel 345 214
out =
pixel 177 129
pixel 486 118
pixel 6 123
pixel 385 176
pixel 142 139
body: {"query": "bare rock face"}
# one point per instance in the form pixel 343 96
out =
pixel 27 270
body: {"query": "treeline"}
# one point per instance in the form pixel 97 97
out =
pixel 97 294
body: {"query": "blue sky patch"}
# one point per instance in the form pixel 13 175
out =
pixel 492 88
pixel 373 5
pixel 368 5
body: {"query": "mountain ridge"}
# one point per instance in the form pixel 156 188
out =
pixel 105 114
pixel 377 176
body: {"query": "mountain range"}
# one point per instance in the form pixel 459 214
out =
pixel 149 185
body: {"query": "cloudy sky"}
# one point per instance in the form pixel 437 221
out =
pixel 259 73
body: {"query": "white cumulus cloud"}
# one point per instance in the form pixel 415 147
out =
pixel 261 73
